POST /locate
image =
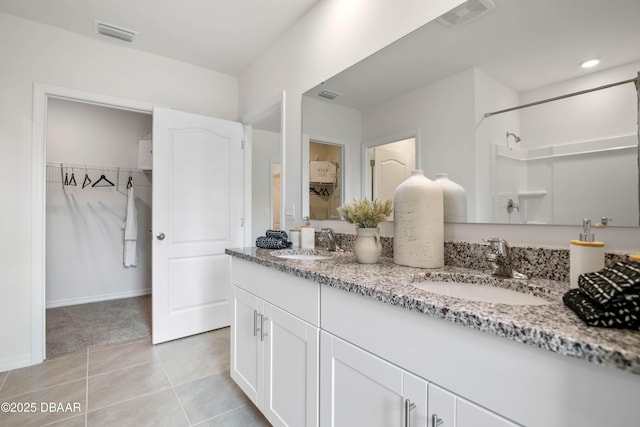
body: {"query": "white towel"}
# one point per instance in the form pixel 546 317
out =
pixel 131 232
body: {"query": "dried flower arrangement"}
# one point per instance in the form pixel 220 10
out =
pixel 366 213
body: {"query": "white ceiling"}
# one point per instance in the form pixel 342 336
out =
pixel 525 44
pixel 221 35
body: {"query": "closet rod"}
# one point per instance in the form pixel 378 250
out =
pixel 582 92
pixel 90 167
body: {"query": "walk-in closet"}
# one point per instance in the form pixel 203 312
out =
pixel 98 217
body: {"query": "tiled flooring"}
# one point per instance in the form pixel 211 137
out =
pixel 180 383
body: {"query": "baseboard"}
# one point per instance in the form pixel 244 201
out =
pixel 15 362
pixel 97 298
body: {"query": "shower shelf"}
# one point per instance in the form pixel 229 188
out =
pixel 532 193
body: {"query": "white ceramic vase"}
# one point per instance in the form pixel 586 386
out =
pixel 454 197
pixel 418 223
pixel 367 246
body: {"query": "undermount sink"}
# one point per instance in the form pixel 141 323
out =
pixel 498 291
pixel 302 254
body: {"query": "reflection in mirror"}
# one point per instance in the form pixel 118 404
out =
pixel 552 163
pixel 325 182
pixel 390 164
pixel 266 195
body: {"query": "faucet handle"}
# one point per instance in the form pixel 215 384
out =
pixel 498 246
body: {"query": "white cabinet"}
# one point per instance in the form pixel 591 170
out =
pixel 290 369
pixel 247 352
pixel 360 389
pixel 274 354
pixel 448 410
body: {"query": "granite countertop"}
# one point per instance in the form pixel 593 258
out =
pixel 553 327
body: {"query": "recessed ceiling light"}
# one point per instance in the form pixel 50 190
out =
pixel 590 63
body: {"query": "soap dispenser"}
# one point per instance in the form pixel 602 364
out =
pixel 307 235
pixel 585 254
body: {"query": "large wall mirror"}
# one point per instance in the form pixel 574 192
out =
pixel 263 131
pixel 447 84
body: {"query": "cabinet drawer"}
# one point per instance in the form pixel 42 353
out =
pixel 298 296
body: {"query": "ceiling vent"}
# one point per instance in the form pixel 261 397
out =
pixel 466 12
pixel 328 94
pixel 115 32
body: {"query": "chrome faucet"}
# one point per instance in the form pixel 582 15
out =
pixel 498 254
pixel 326 239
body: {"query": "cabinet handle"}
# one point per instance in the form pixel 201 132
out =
pixel 262 332
pixel 255 323
pixel 408 406
pixel 435 421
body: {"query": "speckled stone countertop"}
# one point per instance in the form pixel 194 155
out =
pixel 553 327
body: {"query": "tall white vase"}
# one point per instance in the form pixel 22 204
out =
pixel 367 246
pixel 418 223
pixel 454 197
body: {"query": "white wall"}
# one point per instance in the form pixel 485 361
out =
pixel 33 52
pixel 84 235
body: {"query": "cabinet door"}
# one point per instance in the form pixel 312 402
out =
pixel 415 400
pixel 442 407
pixel 357 388
pixel 470 415
pixel 246 351
pixel 291 369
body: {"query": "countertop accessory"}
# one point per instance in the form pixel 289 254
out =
pixel 454 198
pixel 418 223
pixel 307 235
pixel 367 215
pixel 585 255
pixel 273 239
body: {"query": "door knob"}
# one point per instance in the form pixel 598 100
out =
pixel 160 236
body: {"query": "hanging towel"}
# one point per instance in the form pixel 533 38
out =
pixel 131 232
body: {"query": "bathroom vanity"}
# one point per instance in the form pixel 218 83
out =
pixel 331 342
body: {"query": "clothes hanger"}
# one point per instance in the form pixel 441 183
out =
pixel 103 178
pixel 86 181
pixel 72 181
pixel 130 182
pixel 66 178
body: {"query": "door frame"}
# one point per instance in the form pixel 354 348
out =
pixel 366 155
pixel 41 93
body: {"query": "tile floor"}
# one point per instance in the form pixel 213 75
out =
pixel 180 383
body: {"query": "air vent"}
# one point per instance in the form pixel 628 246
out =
pixel 115 32
pixel 328 94
pixel 466 12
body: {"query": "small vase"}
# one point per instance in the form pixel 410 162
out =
pixel 367 246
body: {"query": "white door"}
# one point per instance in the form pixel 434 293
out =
pixel 291 369
pixel 197 213
pixel 391 169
